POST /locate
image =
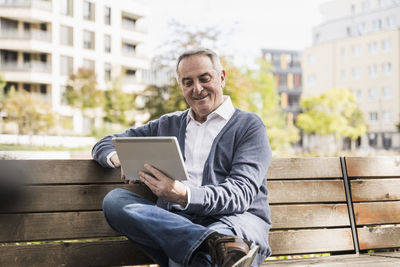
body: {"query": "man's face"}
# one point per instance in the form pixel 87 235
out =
pixel 201 85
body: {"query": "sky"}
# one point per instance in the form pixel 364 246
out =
pixel 252 24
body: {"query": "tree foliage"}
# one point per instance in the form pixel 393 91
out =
pixel 32 114
pixel 334 112
pixel 117 104
pixel 81 91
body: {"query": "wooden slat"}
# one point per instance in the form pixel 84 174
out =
pixel 379 237
pixel 306 216
pixel 295 168
pixel 47 226
pixel 359 260
pixel 58 171
pixel 377 213
pixel 68 197
pixel 101 253
pixel 373 166
pixel 375 189
pixel 310 241
pixel 306 191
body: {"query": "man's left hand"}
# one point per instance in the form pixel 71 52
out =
pixel 164 187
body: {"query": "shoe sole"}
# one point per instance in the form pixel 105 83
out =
pixel 247 260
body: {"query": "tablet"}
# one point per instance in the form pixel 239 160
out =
pixel 162 153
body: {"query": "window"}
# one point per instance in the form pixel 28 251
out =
pixel 387 45
pixel 43 89
pixel 373 93
pixel 373 116
pixel 387 93
pixel 356 73
pixel 107 15
pixel 128 23
pixel 107 71
pixel 357 94
pixel 66 65
pixel 387 68
pixel 372 71
pixel 88 40
pixel 372 48
pixel 342 75
pixel 356 50
pixel 342 52
pixel 128 49
pixel 66 7
pixel 311 79
pixel 66 35
pixel 107 43
pixel 88 11
pixel 387 116
pixel 311 59
pixel 88 64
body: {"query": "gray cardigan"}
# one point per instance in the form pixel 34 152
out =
pixel 234 177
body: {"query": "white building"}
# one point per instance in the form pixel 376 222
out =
pixel 358 47
pixel 43 42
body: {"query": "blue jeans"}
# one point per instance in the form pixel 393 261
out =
pixel 163 235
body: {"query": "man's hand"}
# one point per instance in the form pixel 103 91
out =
pixel 164 187
pixel 115 160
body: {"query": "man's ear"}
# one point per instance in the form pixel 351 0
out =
pixel 223 76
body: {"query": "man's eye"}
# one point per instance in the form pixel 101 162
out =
pixel 205 80
pixel 189 83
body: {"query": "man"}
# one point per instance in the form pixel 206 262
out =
pixel 221 213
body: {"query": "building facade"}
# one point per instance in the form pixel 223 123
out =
pixel 358 47
pixel 286 69
pixel 43 42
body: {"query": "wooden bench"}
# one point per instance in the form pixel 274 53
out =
pixel 57 220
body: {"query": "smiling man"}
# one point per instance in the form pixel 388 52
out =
pixel 220 215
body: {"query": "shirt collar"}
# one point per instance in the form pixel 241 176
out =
pixel 225 110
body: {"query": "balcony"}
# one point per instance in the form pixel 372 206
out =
pixel 26 10
pixel 37 35
pixel 34 71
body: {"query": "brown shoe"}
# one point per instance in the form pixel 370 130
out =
pixel 231 251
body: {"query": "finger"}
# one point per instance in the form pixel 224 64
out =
pixel 148 179
pixel 154 171
pixel 123 177
pixel 115 160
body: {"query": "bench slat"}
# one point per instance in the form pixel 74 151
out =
pixel 375 189
pixel 338 260
pixel 379 237
pixel 310 241
pixel 377 212
pixel 59 171
pixel 100 253
pixel 52 226
pixel 297 168
pixel 309 216
pixel 306 191
pixel 68 197
pixel 373 166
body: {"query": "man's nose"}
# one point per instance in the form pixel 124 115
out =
pixel 197 88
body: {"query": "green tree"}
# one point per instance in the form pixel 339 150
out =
pixel 2 97
pixel 117 104
pixel 334 112
pixel 32 115
pixel 81 91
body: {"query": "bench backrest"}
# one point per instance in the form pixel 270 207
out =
pixel 375 192
pixel 308 206
pixel 62 201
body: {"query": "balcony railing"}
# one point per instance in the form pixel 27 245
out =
pixel 25 35
pixel 38 4
pixel 33 66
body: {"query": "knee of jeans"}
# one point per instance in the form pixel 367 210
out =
pixel 111 201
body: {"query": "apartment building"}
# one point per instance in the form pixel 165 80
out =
pixel 286 69
pixel 358 47
pixel 42 42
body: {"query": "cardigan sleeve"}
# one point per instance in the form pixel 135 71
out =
pixel 237 191
pixel 104 147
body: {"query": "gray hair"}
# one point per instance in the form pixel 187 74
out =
pixel 200 51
